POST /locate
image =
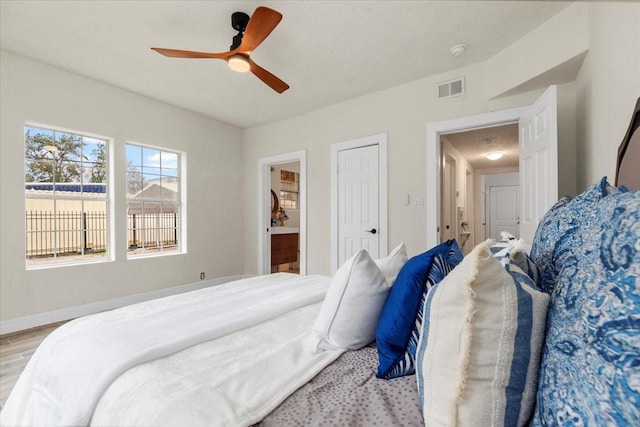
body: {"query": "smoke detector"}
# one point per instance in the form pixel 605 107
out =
pixel 458 49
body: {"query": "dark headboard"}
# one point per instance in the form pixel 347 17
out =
pixel 628 168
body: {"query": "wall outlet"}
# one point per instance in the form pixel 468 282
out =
pixel 418 203
pixel 202 276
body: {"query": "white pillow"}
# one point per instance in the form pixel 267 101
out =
pixel 479 351
pixel 351 309
pixel 391 265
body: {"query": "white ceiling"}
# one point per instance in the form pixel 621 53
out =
pixel 474 144
pixel 327 51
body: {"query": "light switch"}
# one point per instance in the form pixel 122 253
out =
pixel 418 203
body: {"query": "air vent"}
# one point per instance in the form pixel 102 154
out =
pixel 451 88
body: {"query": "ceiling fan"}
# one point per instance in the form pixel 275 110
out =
pixel 251 32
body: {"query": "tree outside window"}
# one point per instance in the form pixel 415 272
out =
pixel 66 197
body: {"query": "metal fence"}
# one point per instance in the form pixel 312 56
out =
pixel 65 233
pixel 152 230
pixel 71 233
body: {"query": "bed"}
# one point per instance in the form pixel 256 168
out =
pixel 513 333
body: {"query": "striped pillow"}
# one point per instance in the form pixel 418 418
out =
pixel 510 250
pixel 479 349
pixel 400 322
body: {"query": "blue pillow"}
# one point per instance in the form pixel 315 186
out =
pixel 591 357
pixel 399 327
pixel 559 224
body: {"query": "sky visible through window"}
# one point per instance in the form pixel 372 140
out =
pixel 152 161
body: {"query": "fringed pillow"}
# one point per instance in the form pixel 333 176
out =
pixel 479 349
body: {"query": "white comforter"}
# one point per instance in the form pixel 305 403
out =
pixel 255 353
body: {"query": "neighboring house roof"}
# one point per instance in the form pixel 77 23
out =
pixel 157 196
pixel 165 189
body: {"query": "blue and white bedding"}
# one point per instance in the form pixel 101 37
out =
pixel 249 338
pixel 588 252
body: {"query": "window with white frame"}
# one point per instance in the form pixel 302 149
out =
pixel 66 197
pixel 289 189
pixel 154 220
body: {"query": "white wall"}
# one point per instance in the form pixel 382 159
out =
pixel 608 87
pixel 403 112
pixel 34 92
pixel 556 41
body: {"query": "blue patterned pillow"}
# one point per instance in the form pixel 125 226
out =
pixel 554 234
pixel 400 323
pixel 590 371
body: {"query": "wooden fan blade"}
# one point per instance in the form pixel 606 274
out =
pixel 261 24
pixel 272 81
pixel 175 53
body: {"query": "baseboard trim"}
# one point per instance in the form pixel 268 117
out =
pixel 28 322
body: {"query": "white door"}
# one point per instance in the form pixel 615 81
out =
pixel 538 161
pixel 358 202
pixel 448 219
pixel 503 210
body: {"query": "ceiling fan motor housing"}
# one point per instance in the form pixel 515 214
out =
pixel 239 21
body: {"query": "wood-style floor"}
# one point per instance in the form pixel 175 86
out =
pixel 15 351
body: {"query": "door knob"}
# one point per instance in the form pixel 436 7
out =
pixel 372 231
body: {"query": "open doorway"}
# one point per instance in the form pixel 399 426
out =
pixel 537 164
pixel 285 217
pixel 282 213
pixel 479 184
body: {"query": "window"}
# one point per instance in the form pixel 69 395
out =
pixel 153 201
pixel 289 189
pixel 66 197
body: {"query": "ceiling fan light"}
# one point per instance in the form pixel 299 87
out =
pixel 494 155
pixel 239 63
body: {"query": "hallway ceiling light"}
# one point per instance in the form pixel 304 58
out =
pixel 494 155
